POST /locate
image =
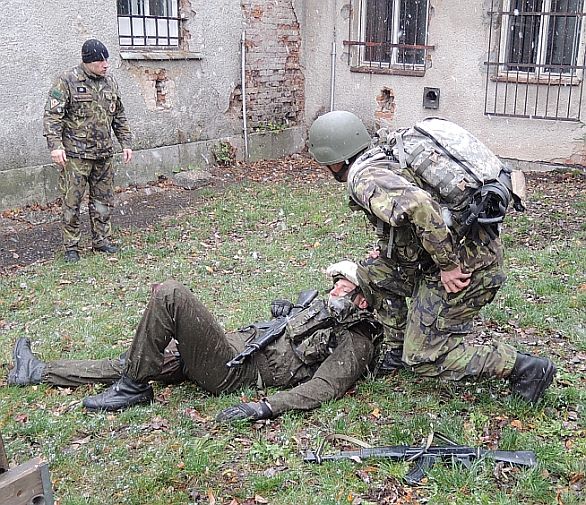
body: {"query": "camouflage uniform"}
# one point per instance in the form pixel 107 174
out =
pixel 415 244
pixel 319 358
pixel 81 111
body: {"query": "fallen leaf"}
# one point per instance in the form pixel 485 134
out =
pixel 517 424
pixel 21 418
pixel 259 499
pixel 194 415
pixel 211 497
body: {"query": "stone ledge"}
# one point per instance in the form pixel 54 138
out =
pixel 168 54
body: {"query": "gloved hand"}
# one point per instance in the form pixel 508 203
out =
pixel 252 411
pixel 281 307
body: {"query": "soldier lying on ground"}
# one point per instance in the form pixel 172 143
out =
pixel 324 349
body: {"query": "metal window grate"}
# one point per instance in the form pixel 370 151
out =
pixel 148 23
pixel 535 60
pixel 391 36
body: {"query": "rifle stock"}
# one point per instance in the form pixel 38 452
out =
pixel 274 331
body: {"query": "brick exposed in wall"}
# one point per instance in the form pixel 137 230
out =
pixel 275 83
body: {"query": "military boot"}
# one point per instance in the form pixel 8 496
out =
pixel 531 376
pixel 392 360
pixel 27 369
pixel 107 248
pixel 119 396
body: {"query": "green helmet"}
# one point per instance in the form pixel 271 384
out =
pixel 337 136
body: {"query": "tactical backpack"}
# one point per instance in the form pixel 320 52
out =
pixel 473 186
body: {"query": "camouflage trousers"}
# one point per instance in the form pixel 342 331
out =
pixel 173 317
pixel 99 176
pixel 432 327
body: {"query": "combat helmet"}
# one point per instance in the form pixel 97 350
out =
pixel 337 136
pixel 345 268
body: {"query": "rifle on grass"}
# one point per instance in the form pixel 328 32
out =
pixel 270 331
pixel 426 456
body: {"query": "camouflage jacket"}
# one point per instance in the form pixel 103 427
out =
pixel 409 221
pixel 81 112
pixel 318 357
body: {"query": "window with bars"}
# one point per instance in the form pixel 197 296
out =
pixel 391 35
pixel 148 23
pixel 536 59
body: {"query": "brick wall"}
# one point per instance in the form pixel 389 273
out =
pixel 274 80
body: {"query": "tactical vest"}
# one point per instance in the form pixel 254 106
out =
pixel 313 331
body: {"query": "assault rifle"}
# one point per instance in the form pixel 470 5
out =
pixel 426 456
pixel 270 331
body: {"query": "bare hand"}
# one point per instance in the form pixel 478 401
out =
pixel 455 280
pixel 126 155
pixel 58 156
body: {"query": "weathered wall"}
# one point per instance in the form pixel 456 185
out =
pixel 275 82
pixel 459 31
pixel 178 108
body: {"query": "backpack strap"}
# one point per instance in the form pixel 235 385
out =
pixel 401 151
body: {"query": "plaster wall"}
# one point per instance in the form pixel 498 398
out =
pixel 459 31
pixel 191 98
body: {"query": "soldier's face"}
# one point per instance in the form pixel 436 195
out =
pixel 98 67
pixel 344 287
pixel 337 170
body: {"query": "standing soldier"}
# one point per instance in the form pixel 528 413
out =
pixel 83 108
pixel 448 280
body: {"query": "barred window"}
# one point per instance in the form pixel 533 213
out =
pixel 392 34
pixel 536 53
pixel 148 23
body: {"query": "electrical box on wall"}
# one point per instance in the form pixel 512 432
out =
pixel 431 98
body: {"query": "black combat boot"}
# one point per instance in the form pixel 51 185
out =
pixel 107 248
pixel 119 396
pixel 531 376
pixel 27 369
pixel 392 360
pixel 71 256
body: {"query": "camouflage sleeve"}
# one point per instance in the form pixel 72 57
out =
pixel 120 124
pixel 338 373
pixel 396 201
pixel 55 110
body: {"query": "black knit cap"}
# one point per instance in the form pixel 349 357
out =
pixel 93 50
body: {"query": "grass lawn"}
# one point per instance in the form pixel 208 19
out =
pixel 243 247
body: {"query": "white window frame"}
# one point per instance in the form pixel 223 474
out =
pixel 141 28
pixel 396 13
pixel 542 49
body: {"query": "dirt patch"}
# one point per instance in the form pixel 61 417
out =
pixel 32 234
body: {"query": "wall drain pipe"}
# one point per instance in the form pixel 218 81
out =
pixel 333 72
pixel 244 112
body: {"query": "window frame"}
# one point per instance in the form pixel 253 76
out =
pixel 147 25
pixel 543 93
pixel 358 57
pixel 540 72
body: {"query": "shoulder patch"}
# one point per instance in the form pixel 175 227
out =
pixel 55 93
